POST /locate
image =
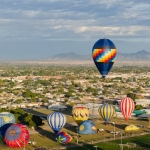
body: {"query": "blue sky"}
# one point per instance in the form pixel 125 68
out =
pixel 34 29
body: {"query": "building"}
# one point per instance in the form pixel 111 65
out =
pixel 57 107
pixel 143 102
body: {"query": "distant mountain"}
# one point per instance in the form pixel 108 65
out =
pixel 139 56
pixel 70 56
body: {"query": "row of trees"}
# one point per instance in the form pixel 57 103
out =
pixel 25 118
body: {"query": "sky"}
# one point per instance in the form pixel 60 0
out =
pixel 37 29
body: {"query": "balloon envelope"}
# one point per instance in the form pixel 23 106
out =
pixel 104 55
pixel 63 137
pixel 56 121
pixel 80 114
pixel 126 107
pixel 107 111
pixel 87 127
pixel 6 119
pixel 16 136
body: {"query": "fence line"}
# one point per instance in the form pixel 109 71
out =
pixel 97 141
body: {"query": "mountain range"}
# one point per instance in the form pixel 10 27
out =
pixel 142 55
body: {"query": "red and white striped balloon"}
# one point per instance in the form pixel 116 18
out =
pixel 127 106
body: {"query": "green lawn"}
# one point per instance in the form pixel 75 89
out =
pixel 142 142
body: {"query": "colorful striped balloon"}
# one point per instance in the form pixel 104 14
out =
pixel 56 121
pixel 104 55
pixel 80 114
pixel 107 111
pixel 16 136
pixel 63 137
pixel 126 107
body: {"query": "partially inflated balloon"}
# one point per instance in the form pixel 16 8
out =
pixel 56 121
pixel 87 127
pixel 127 106
pixel 63 137
pixel 16 136
pixel 107 111
pixel 104 55
pixel 80 114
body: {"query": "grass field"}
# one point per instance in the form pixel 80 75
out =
pixel 43 136
pixel 142 142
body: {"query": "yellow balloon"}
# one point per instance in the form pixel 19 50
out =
pixel 80 114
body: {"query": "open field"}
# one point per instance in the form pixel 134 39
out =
pixel 75 62
pixel 142 142
pixel 43 136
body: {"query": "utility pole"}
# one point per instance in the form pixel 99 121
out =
pixel 114 129
pixel 121 145
pixel 77 135
pixel 96 147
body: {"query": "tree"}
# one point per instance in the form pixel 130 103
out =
pixel 132 96
pixel 18 101
pixel 71 103
pixel 37 120
pixel 138 107
pixel 32 124
pixel 68 94
pixel 28 118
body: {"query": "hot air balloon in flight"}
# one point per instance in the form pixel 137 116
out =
pixel 6 119
pixel 80 113
pixel 56 121
pixel 126 107
pixel 104 55
pixel 63 137
pixel 107 111
pixel 16 136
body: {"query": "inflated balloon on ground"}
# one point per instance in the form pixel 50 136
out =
pixel 63 137
pixel 87 127
pixel 107 111
pixel 80 114
pixel 127 107
pixel 16 136
pixel 56 121
pixel 6 119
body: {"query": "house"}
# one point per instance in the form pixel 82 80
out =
pixel 33 105
pixel 5 106
pixel 143 102
pixel 57 107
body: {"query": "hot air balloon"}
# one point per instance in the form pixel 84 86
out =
pixel 80 114
pixel 126 107
pixel 16 136
pixel 107 111
pixel 63 137
pixel 104 55
pixel 56 121
pixel 6 119
pixel 87 127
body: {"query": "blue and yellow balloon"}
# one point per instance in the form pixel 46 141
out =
pixel 104 55
pixel 6 119
pixel 87 127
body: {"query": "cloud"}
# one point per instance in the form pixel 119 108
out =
pixel 47 19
